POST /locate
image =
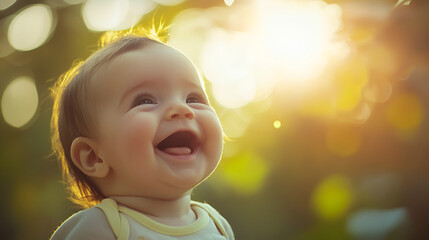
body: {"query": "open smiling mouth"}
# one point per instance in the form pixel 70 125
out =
pixel 179 143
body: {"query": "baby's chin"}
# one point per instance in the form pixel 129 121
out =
pixel 186 184
pixel 188 177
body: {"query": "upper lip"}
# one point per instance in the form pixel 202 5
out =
pixel 193 142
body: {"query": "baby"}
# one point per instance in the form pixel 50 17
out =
pixel 135 133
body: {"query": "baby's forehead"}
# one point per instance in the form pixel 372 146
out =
pixel 155 61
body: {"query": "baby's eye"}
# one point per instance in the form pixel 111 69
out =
pixel 196 98
pixel 192 100
pixel 143 99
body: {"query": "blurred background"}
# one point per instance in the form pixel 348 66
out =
pixel 325 104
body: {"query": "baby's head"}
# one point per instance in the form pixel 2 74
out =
pixel 134 120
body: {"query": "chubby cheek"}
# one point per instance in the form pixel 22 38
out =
pixel 214 136
pixel 137 134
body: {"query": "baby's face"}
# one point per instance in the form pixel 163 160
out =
pixel 156 128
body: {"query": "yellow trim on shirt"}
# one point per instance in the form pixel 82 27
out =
pixel 117 222
pixel 200 223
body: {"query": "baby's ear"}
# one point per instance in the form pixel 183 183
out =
pixel 84 155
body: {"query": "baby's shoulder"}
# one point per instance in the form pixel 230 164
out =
pixel 218 219
pixel 86 224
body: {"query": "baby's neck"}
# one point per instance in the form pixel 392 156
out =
pixel 175 212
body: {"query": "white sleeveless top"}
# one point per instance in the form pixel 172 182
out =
pixel 126 223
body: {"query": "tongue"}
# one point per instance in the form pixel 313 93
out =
pixel 177 150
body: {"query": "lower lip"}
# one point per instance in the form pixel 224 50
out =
pixel 178 158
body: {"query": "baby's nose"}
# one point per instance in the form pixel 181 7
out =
pixel 180 111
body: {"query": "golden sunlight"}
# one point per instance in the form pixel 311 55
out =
pixel 298 36
pixel 281 44
pixel 227 62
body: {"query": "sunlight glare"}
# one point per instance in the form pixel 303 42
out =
pixel 287 45
pixel 227 63
pixel 297 35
